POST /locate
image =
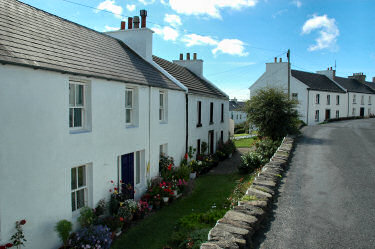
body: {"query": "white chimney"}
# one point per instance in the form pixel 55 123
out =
pixel 138 39
pixel 195 65
pixel 329 73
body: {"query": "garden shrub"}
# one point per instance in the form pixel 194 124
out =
pixel 92 237
pixel 63 229
pixel 266 147
pixel 250 162
pixel 86 217
pixel 182 172
pixel 195 239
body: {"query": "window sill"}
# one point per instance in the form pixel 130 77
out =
pixel 199 125
pixel 130 126
pixel 79 131
pixel 163 122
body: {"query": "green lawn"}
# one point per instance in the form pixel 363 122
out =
pixel 155 230
pixel 240 135
pixel 245 142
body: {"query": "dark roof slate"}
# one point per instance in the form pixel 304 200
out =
pixel 316 81
pixel 353 85
pixel 193 82
pixel 236 105
pixel 34 38
pixel 370 84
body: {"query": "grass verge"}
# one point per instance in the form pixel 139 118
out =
pixel 245 143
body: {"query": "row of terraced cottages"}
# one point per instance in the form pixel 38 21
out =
pixel 80 109
pixel 322 95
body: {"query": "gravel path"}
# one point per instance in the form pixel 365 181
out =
pixel 229 165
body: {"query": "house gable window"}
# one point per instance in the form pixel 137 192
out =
pixel 354 99
pixel 162 106
pixel 328 99
pixel 129 104
pixel 317 99
pixel 369 100
pixel 337 114
pixel 79 187
pixel 77 104
pixel 211 113
pixel 362 100
pixel 317 116
pixel 337 99
pixel 222 113
pixel 199 113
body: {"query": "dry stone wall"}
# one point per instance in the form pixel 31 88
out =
pixel 236 228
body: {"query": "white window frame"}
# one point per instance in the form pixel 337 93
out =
pixel 362 100
pixel 337 114
pixel 328 99
pixel 139 171
pixel 337 99
pixel 353 111
pixel 316 115
pixel 129 107
pixel 369 111
pixel 162 106
pixel 73 106
pixel 369 100
pixel 84 187
pixel 354 99
pixel 317 99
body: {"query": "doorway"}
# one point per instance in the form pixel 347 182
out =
pixel 211 141
pixel 362 112
pixel 127 174
pixel 328 114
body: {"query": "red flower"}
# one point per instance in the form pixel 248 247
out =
pixel 120 181
pixel 9 245
pixel 23 222
pixel 170 167
pixel 115 189
pixel 110 190
pixel 111 181
pixel 3 247
pixel 186 156
pixel 121 219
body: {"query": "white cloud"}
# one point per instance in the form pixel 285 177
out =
pixel 279 13
pixel 109 5
pixel 194 40
pixel 108 28
pixel 163 2
pixel 168 33
pixel 230 46
pixel 328 32
pixel 146 2
pixel 130 7
pixel 173 20
pixel 209 8
pixel 297 3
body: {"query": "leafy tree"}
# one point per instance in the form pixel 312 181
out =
pixel 272 113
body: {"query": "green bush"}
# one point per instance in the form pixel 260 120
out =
pixel 266 147
pixel 63 229
pixel 250 162
pixel 182 172
pixel 195 239
pixel 86 217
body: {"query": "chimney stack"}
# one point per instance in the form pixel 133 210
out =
pixel 136 22
pixel 130 22
pixel 195 56
pixel 281 60
pixel 187 56
pixel 143 14
pixel 123 24
pixel 181 57
pixel 275 59
pixel 358 76
pixel 195 65
pixel 330 68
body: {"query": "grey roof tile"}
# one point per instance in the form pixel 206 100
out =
pixel 34 38
pixel 193 82
pixel 316 81
pixel 353 85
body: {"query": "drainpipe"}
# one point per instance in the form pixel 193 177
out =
pixel 149 129
pixel 308 105
pixel 187 122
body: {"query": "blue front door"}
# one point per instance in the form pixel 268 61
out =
pixel 127 173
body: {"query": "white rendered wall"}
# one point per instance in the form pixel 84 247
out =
pixel 323 106
pixel 357 105
pixel 238 116
pixel 38 151
pixel 201 133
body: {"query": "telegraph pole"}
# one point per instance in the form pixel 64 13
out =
pixel 288 56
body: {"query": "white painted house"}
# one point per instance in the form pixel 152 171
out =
pixel 80 108
pixel 237 112
pixel 320 95
pixel 207 106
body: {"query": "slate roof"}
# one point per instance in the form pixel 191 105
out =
pixel 34 38
pixel 316 81
pixel 370 84
pixel 353 85
pixel 193 82
pixel 236 105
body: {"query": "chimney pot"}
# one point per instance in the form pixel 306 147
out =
pixel 130 22
pixel 275 59
pixel 136 22
pixel 143 14
pixel 187 56
pixel 194 56
pixel 181 57
pixel 281 60
pixel 123 24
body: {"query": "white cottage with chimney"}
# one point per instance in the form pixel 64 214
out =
pixel 320 95
pixel 78 109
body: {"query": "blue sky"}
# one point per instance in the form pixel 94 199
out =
pixel 235 38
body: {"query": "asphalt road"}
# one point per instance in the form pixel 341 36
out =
pixel 327 197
